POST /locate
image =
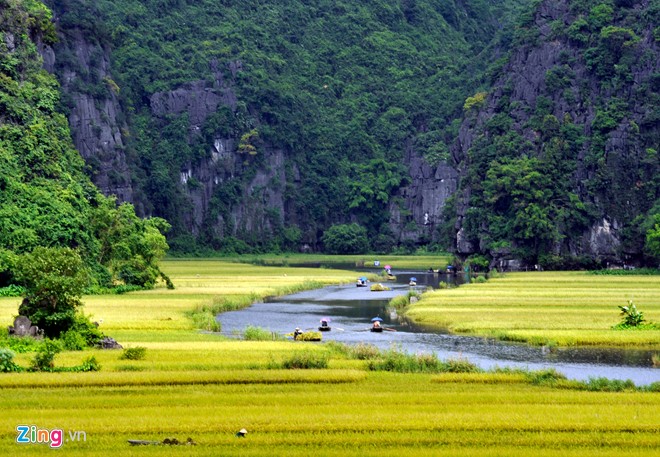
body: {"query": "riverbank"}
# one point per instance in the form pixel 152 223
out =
pixel 545 308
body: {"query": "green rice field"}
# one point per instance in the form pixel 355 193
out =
pixel 198 385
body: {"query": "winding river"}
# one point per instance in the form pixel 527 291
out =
pixel 351 308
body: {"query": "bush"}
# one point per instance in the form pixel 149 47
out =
pixel 305 360
pixel 361 351
pixel 610 385
pixel 12 291
pixel 17 343
pixel 44 360
pixel 205 319
pixel 7 364
pixel 345 239
pixel 136 353
pixel 631 317
pixel 549 376
pixel 73 341
pixel 252 333
pixel 89 364
pixel 401 362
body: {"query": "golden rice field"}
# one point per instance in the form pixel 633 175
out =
pixel 202 386
pixel 567 308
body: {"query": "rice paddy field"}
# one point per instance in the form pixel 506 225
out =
pixel 563 308
pixel 198 385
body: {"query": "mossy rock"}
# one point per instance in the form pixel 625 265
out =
pixel 379 288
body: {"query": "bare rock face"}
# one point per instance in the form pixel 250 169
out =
pixel 94 118
pixel 603 239
pixel 198 98
pixel 423 200
pixel 262 197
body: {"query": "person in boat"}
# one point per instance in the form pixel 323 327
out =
pixel 297 332
pixel 324 325
pixel 376 325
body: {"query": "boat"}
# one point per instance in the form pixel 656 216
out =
pixel 324 327
pixel 391 277
pixel 375 324
pixel 361 281
pixel 413 281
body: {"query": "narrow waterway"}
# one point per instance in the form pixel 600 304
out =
pixel 351 309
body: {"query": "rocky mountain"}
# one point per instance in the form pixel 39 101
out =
pixel 257 126
pixel 559 158
pixel 515 130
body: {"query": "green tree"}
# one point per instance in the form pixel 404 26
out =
pixel 54 281
pixel 653 239
pixel 130 247
pixel 345 239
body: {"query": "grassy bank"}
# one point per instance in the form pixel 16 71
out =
pixel 200 385
pixel 565 308
pixel 398 262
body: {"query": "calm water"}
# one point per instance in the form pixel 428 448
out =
pixel 351 309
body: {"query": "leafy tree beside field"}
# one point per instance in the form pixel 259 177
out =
pixel 46 200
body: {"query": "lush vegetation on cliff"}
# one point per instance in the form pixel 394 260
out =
pixel 344 88
pixel 576 145
pixel 48 207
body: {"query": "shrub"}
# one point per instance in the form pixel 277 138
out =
pixel 548 376
pixel 18 344
pixel 306 360
pixel 609 385
pixel 89 364
pixel 12 290
pixel 460 366
pixel 364 351
pixel 73 341
pixel 205 319
pixel 401 362
pixel 7 364
pixel 252 333
pixel 136 353
pixel 45 356
pixel 345 239
pixel 631 317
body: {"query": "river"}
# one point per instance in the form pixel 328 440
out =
pixel 351 309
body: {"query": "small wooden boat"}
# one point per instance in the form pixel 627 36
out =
pixel 324 328
pixel 376 329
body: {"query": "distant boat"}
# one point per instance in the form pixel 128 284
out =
pixel 324 327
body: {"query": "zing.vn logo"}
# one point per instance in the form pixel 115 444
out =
pixel 29 434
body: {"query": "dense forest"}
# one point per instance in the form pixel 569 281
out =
pixel 511 129
pixel 316 101
pixel 49 208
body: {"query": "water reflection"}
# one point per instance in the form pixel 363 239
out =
pixel 351 309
